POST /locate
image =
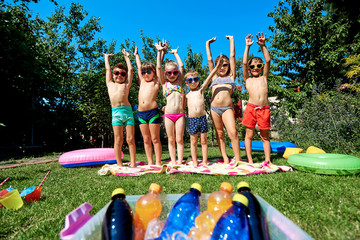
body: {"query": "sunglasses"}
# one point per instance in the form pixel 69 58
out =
pixel 191 80
pixel 121 73
pixel 146 72
pixel 225 65
pixel 174 72
pixel 259 65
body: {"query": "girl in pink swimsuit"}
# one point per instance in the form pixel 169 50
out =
pixel 174 119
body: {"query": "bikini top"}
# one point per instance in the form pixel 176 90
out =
pixel 224 80
pixel 172 88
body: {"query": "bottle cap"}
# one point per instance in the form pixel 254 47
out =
pixel 197 187
pixel 241 198
pixel 243 185
pixel 118 191
pixel 226 187
pixel 155 188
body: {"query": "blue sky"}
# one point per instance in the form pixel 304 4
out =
pixel 181 22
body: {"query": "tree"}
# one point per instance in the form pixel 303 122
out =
pixel 310 41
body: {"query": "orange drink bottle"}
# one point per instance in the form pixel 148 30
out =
pixel 147 208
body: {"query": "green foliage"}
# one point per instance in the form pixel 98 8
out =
pixel 310 40
pixel 330 121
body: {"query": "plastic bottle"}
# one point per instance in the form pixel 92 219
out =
pixel 147 207
pixel 118 218
pixel 257 231
pixel 182 215
pixel 218 202
pixel 234 224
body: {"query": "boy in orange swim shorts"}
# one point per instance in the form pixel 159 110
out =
pixel 257 110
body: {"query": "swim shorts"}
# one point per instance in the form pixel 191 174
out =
pixel 149 116
pixel 257 114
pixel 198 124
pixel 122 115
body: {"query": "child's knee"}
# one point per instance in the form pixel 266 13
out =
pixel 155 140
pixel 179 139
pixel 232 135
pixel 203 141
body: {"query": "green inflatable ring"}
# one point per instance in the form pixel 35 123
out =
pixel 325 163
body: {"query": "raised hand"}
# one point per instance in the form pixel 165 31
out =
pixel 125 53
pixel 261 38
pixel 136 51
pixel 229 37
pixel 248 40
pixel 173 51
pixel 165 45
pixel 110 54
pixel 211 40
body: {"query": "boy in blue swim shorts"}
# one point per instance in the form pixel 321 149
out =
pixel 118 83
pixel 196 112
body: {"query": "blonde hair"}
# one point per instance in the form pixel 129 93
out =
pixel 190 73
pixel 171 63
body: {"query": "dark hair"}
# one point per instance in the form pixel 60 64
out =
pixel 256 59
pixel 225 58
pixel 148 66
pixel 121 66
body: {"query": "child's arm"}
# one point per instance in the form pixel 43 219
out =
pixel 212 74
pixel 208 53
pixel 261 41
pixel 159 70
pixel 180 63
pixel 232 57
pixel 249 42
pixel 130 73
pixel 138 63
pixel 108 68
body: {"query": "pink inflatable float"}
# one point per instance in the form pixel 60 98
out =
pixel 88 157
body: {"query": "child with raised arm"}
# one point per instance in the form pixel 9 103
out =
pixel 149 114
pixel 222 112
pixel 118 83
pixel 174 110
pixel 257 109
pixel 196 112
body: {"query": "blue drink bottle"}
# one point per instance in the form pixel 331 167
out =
pixel 233 224
pixel 118 218
pixel 258 228
pixel 182 215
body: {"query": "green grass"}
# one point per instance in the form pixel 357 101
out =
pixel 326 207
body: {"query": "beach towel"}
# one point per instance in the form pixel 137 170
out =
pixel 214 167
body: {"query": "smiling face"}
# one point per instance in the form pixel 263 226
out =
pixel 256 67
pixel 224 69
pixel 148 75
pixel 171 73
pixel 119 75
pixel 192 80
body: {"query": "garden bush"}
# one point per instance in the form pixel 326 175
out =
pixel 328 120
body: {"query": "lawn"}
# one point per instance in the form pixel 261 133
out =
pixel 326 207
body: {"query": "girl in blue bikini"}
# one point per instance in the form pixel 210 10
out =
pixel 222 112
pixel 174 119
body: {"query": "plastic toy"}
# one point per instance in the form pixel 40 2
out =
pixel 276 147
pixel 12 200
pixel 88 157
pixel 290 151
pixel 325 163
pixel 33 193
pixel 75 220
